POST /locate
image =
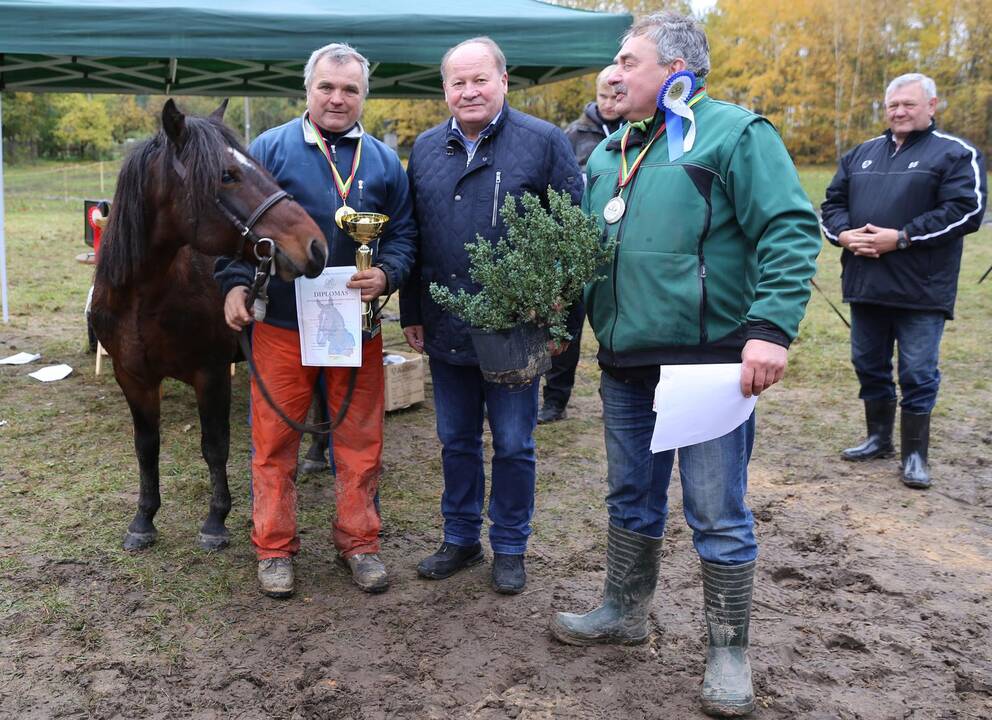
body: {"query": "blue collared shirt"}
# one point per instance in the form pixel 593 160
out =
pixel 471 145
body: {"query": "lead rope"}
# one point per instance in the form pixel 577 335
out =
pixel 258 300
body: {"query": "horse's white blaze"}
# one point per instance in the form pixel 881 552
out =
pixel 242 160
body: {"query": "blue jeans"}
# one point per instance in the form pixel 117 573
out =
pixel 714 477
pixel 461 398
pixel 874 331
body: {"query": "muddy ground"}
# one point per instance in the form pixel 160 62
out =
pixel 872 601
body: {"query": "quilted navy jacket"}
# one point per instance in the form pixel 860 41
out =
pixel 934 187
pixel 456 197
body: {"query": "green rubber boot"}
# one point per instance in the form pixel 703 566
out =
pixel 631 575
pixel 727 689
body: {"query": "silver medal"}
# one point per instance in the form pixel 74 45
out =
pixel 614 209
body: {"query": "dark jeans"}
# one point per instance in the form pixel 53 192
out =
pixel 558 381
pixel 713 473
pixel 460 396
pixel 875 329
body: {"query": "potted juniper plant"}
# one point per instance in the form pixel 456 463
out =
pixel 529 280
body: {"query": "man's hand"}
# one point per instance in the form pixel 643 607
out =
pixel 874 241
pixel 845 238
pixel 236 314
pixel 371 282
pixel 763 365
pixel 414 335
pixel 557 347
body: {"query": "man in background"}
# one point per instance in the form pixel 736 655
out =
pixel 598 120
pixel 900 206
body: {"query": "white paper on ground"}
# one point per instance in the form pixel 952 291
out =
pixel 696 403
pixel 52 372
pixel 19 359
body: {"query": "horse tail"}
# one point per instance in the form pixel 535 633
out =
pixel 124 244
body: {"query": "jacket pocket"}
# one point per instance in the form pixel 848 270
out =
pixel 659 299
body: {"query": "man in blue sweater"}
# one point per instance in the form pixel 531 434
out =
pixel 460 172
pixel 326 161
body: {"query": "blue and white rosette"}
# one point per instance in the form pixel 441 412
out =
pixel 673 99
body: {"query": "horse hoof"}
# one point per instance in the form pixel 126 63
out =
pixel 139 541
pixel 312 467
pixel 212 543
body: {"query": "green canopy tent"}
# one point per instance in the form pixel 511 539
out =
pixel 257 47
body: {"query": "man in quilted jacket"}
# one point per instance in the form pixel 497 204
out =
pixel 460 173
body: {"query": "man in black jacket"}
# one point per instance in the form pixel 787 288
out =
pixel 900 206
pixel 598 120
pixel 460 174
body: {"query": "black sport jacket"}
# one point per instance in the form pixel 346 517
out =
pixel 933 187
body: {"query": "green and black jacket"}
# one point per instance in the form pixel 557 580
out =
pixel 714 249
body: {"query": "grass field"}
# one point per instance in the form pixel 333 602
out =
pixel 72 602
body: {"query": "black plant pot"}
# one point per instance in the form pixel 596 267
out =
pixel 512 357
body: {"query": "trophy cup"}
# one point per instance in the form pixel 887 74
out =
pixel 364 227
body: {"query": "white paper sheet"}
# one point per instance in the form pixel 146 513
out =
pixel 51 373
pixel 330 319
pixel 19 359
pixel 696 403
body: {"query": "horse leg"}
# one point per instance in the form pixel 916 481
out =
pixel 213 397
pixel 315 460
pixel 145 405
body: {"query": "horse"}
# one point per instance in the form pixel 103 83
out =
pixel 188 194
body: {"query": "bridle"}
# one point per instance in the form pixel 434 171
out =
pixel 245 228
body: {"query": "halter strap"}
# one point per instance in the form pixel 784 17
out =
pixel 245 228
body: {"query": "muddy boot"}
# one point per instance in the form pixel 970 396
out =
pixel 368 572
pixel 880 416
pixel 275 577
pixel 632 563
pixel 727 689
pixel 914 446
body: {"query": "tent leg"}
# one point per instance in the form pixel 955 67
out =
pixel 3 244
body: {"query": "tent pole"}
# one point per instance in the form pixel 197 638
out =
pixel 3 245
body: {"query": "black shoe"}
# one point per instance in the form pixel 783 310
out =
pixel 509 576
pixel 550 413
pixel 449 559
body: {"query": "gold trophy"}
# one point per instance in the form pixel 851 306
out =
pixel 364 227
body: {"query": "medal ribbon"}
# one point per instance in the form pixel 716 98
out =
pixel 343 187
pixel 626 175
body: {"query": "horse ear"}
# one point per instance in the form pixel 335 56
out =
pixel 173 122
pixel 218 114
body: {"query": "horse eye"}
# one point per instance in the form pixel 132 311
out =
pixel 227 178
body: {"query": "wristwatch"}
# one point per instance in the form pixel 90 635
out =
pixel 902 240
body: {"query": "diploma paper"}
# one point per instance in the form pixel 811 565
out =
pixel 330 319
pixel 696 403
pixel 19 359
pixel 51 373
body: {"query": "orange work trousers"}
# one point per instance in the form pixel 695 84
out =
pixel 357 444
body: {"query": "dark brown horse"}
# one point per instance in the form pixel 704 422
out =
pixel 189 193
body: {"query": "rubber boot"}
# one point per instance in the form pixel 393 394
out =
pixel 915 432
pixel 632 562
pixel 880 416
pixel 727 689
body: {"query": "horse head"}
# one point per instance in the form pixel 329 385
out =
pixel 230 202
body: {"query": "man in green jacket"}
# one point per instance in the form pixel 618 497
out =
pixel 716 245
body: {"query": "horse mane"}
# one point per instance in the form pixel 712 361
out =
pixel 124 247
